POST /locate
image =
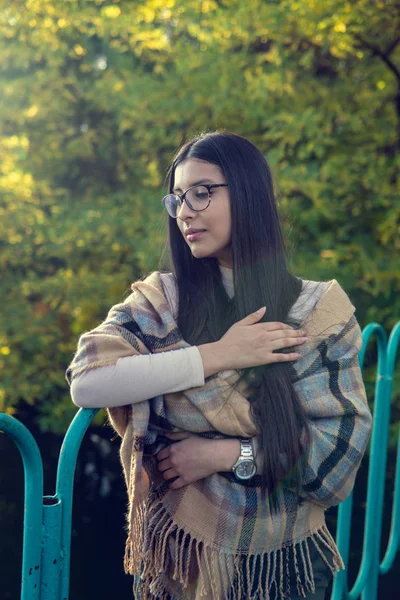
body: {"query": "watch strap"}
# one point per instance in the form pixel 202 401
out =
pixel 246 452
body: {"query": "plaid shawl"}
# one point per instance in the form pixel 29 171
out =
pixel 217 537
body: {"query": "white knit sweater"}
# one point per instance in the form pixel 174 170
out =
pixel 137 378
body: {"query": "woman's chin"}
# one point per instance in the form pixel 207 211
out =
pixel 201 252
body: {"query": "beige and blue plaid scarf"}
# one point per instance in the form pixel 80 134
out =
pixel 216 538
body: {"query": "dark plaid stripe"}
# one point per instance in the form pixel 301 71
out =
pixel 346 426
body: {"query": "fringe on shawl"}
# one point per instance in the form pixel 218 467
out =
pixel 218 575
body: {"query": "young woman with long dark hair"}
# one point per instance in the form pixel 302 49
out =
pixel 236 389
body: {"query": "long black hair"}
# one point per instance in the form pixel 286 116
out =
pixel 261 277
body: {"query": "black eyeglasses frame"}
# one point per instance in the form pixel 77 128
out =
pixel 208 186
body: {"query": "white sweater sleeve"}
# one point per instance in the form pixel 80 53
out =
pixel 140 377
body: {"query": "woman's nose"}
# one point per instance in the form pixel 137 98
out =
pixel 184 211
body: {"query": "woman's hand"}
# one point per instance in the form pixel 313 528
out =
pixel 193 457
pixel 249 343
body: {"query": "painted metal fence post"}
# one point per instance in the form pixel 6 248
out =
pixel 64 486
pixel 47 519
pixel 33 482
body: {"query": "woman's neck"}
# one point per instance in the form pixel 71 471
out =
pixel 227 280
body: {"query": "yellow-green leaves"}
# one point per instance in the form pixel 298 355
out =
pixel 95 98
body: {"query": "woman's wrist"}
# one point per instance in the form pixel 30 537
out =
pixel 212 357
pixel 227 452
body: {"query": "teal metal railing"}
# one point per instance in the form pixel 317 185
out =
pixel 47 519
pixel 366 584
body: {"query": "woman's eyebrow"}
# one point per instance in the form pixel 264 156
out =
pixel 199 182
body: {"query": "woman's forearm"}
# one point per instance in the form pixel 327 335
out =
pixel 136 378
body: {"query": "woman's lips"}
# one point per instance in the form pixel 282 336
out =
pixel 194 236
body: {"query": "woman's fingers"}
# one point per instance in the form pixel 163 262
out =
pixel 284 336
pixel 167 467
pixel 275 326
pixel 276 334
pixel 162 454
pixel 287 357
pixel 287 339
pixel 287 342
pixel 177 484
pixel 170 474
pixel 165 464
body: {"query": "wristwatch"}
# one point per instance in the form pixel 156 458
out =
pixel 245 466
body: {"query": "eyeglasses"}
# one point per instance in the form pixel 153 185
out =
pixel 197 197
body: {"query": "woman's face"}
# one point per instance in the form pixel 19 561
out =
pixel 215 219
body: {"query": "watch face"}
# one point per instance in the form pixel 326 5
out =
pixel 245 469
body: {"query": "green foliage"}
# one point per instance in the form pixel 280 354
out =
pixel 97 95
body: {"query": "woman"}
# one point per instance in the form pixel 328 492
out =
pixel 239 426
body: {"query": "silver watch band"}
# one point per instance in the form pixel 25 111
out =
pixel 246 448
pixel 245 467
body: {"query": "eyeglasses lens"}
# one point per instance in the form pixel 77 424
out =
pixel 197 197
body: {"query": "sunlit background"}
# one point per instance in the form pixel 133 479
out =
pixel 95 97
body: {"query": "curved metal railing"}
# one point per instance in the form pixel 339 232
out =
pixel 47 519
pixel 366 584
